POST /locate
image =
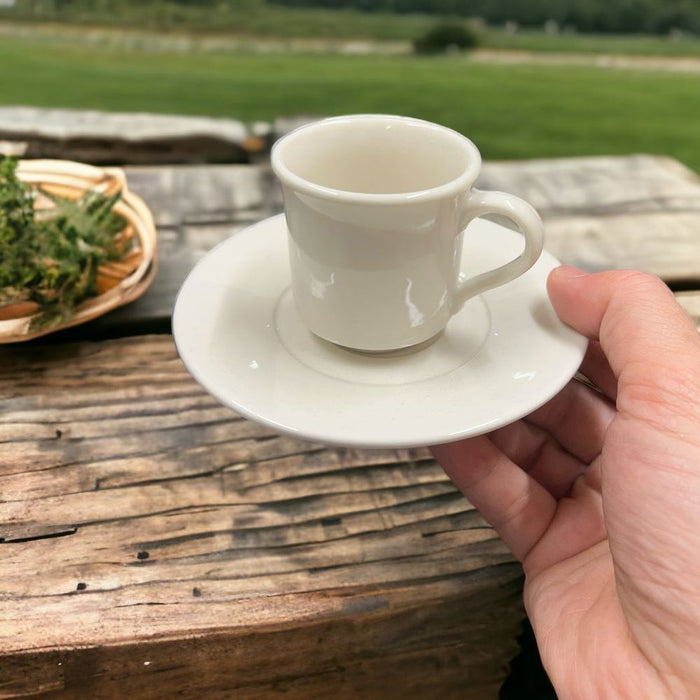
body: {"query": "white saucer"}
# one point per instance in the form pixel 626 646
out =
pixel 504 355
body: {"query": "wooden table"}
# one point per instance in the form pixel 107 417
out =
pixel 154 544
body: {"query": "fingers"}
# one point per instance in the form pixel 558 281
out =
pixel 537 453
pixel 577 418
pixel 519 508
pixel 556 443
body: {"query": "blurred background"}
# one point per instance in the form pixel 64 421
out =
pixel 522 78
pixel 216 81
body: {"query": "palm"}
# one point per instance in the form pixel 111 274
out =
pixel 581 630
pixel 598 494
pixel 573 601
pixel 584 609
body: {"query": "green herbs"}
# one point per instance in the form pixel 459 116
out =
pixel 50 256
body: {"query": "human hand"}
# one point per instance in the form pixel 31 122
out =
pixel 597 493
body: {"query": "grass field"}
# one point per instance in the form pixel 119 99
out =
pixel 510 111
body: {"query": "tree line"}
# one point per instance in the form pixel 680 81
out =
pixel 613 16
pixel 606 16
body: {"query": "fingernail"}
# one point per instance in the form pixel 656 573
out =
pixel 569 272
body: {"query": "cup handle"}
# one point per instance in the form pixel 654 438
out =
pixel 524 216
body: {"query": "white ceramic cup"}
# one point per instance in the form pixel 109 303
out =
pixel 376 206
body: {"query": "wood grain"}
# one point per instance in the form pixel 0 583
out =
pixel 600 213
pixel 117 137
pixel 149 533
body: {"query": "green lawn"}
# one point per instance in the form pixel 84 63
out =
pixel 510 111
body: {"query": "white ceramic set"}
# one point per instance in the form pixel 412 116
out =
pixel 381 311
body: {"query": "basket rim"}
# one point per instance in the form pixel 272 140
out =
pixel 82 177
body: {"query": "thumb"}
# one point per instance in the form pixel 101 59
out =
pixel 634 315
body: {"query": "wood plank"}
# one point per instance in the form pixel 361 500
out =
pixel 599 213
pixel 666 244
pixel 201 194
pixel 558 187
pixel 388 646
pixel 621 212
pixel 182 547
pixel 94 136
pixel 597 186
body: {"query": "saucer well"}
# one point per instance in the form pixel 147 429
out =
pixel 502 356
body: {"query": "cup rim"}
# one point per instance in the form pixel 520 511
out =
pixel 461 183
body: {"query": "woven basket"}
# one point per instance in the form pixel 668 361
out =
pixel 119 282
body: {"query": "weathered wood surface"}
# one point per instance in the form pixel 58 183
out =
pixel 640 212
pixel 94 136
pixel 115 138
pixel 151 536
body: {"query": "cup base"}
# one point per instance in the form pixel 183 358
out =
pixel 394 352
pixel 442 354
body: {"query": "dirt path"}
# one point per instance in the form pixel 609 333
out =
pixel 674 64
pixel 130 39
